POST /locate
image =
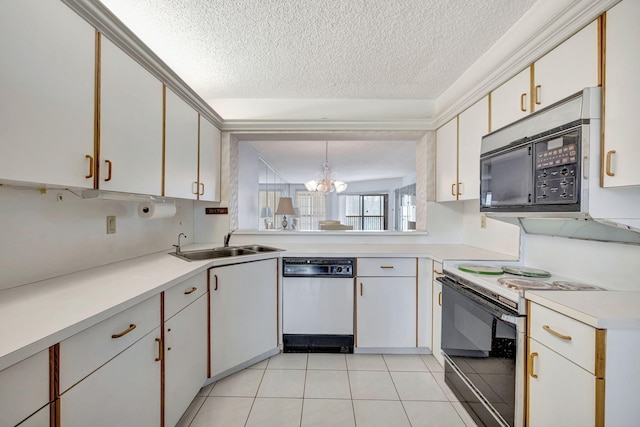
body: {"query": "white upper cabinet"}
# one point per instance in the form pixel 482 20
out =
pixel 181 148
pixel 567 69
pixel 621 93
pixel 130 124
pixel 473 124
pixel 510 101
pixel 47 87
pixel 209 184
pixel 447 161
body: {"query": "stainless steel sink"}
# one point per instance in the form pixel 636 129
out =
pixel 260 248
pixel 223 252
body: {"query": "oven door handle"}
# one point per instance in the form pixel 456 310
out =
pixel 493 308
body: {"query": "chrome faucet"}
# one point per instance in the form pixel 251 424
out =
pixel 178 250
pixel 227 238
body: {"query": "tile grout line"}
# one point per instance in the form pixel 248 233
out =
pixel 264 371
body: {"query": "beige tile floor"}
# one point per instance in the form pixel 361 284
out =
pixel 308 390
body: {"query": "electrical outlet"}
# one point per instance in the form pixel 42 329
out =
pixel 483 221
pixel 111 224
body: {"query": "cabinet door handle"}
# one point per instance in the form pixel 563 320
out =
pixel 536 95
pixel 523 102
pixel 386 266
pixel 125 332
pixel 453 193
pixel 190 291
pixel 440 298
pixel 160 351
pixel 194 187
pixel 532 356
pixel 90 166
pixel 556 333
pixel 202 191
pixel 460 185
pixel 610 154
pixel 360 288
pixel 216 285
pixel 109 165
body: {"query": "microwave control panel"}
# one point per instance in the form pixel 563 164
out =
pixel 556 170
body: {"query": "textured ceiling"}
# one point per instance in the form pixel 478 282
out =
pixel 249 59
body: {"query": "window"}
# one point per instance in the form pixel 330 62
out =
pixel 366 211
pixel 312 207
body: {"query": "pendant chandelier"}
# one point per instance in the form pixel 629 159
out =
pixel 323 183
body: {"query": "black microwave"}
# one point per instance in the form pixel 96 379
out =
pixel 536 174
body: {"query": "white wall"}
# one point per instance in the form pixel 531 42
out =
pixel 498 236
pixel 44 238
pixel 610 265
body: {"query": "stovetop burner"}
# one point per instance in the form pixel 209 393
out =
pixel 526 271
pixel 574 286
pixel 518 284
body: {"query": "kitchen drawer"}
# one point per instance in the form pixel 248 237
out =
pixel 183 294
pixel 382 267
pixel 86 351
pixel 577 340
pixel 24 388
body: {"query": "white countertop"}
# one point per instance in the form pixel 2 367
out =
pixel 437 252
pixel 600 309
pixel 39 315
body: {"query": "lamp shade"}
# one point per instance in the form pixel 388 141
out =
pixel 265 212
pixel 285 206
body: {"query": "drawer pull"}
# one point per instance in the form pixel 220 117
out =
pixel 386 266
pixel 110 165
pixel 453 192
pixel 125 332
pixel 608 165
pixel 532 356
pixel 190 291
pixel 90 166
pixel 159 341
pixel 557 334
pixel 536 95
pixel 360 289
pixel 523 105
pixel 440 298
pixel 216 285
pixel 438 272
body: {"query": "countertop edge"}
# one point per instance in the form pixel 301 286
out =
pixel 38 341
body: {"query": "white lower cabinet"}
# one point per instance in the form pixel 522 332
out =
pixel 185 358
pixel 386 303
pixel 243 313
pixel 123 392
pixel 386 312
pixel 24 388
pixel 436 345
pixel 39 419
pixel 561 393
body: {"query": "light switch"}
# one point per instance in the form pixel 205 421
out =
pixel 111 224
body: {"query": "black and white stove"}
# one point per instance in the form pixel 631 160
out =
pixel 483 342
